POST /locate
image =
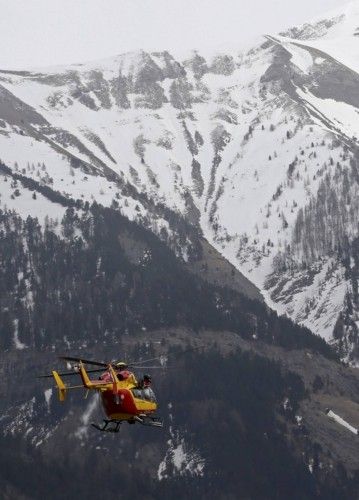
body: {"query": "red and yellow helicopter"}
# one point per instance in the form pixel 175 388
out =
pixel 124 398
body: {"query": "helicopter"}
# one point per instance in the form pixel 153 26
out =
pixel 123 397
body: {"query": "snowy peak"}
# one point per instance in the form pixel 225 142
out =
pixel 335 34
pixel 252 149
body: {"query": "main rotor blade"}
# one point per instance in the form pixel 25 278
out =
pixel 149 367
pixel 86 361
pixel 146 360
pixel 68 374
pixel 190 349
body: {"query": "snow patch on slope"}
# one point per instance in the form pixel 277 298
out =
pixel 17 342
pixel 180 460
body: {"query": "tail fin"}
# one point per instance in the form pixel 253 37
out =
pixel 60 385
pixel 85 378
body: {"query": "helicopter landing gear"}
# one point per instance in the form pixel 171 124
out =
pixel 106 427
pixel 149 420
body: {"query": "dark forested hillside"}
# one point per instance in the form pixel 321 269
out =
pixel 98 276
pixel 225 436
pixel 95 283
pixel 154 209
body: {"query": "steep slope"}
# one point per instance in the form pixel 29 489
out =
pixel 101 285
pixel 256 150
pixel 99 276
pixel 105 287
pixel 274 441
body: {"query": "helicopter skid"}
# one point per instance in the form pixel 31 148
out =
pixel 114 425
pixel 107 426
pixel 148 420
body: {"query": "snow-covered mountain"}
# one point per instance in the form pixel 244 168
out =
pixel 257 149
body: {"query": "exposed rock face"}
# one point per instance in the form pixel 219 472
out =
pixel 238 170
pixel 258 148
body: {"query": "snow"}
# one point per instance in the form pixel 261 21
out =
pixel 180 457
pixel 342 422
pixel 25 205
pixel 17 342
pixel 184 462
pixel 48 395
pixel 299 420
pixel 300 57
pixel 20 422
pixel 340 40
pixel 342 115
pixel 286 404
pixel 326 294
pixel 249 203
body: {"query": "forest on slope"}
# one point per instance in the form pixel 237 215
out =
pixel 97 280
pixel 99 276
pixel 228 434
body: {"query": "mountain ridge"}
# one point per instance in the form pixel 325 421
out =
pixel 240 145
pixel 135 196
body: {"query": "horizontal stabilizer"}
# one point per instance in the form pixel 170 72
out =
pixel 60 386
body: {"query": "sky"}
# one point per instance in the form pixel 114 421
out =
pixel 37 33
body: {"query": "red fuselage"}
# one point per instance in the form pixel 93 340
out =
pixel 122 402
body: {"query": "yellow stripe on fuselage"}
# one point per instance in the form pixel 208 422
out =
pixel 143 405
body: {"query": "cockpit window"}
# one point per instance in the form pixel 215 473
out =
pixel 147 394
